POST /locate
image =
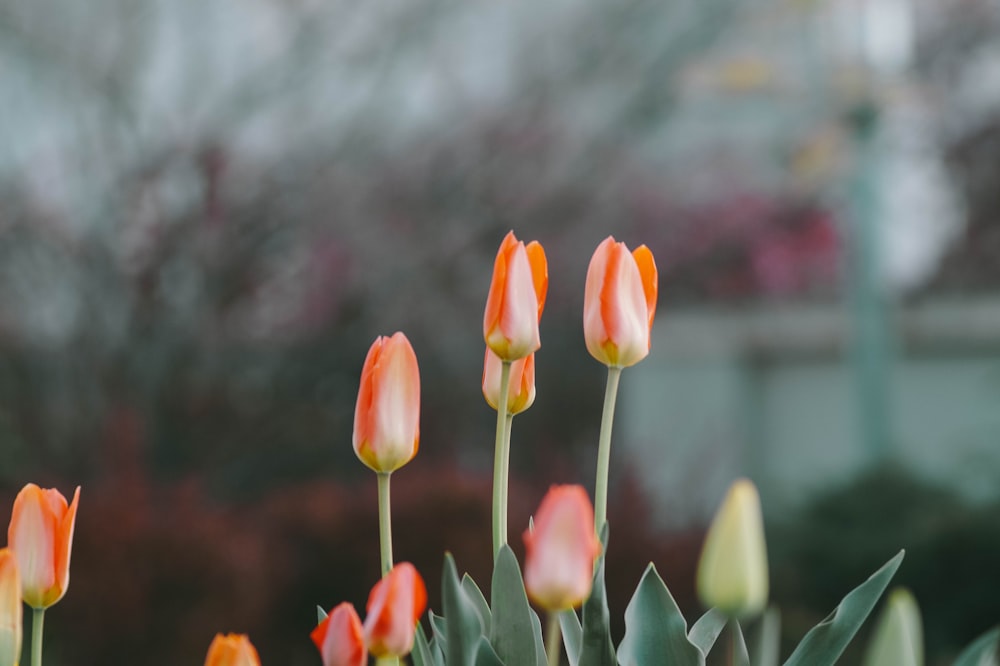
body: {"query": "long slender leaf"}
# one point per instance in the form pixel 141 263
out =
pixel 984 651
pixel 320 614
pixel 825 642
pixel 767 639
pixel 572 634
pixel 512 633
pixel 706 630
pixel 462 621
pixel 421 649
pixel 597 648
pixel 741 656
pixel 440 629
pixel 485 655
pixel 655 629
pixel 475 595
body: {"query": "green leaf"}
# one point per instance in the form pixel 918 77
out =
pixel 485 656
pixel 440 628
pixel 513 634
pixel 655 629
pixel 767 639
pixel 825 642
pixel 741 656
pixel 320 614
pixel 984 651
pixel 461 619
pixel 475 595
pixel 706 630
pixel 597 649
pixel 421 649
pixel 572 634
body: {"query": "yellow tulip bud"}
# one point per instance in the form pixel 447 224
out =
pixel 899 637
pixel 732 572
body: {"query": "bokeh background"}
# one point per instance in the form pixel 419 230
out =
pixel 210 208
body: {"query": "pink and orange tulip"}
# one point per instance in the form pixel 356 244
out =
pixel 619 303
pixel 232 650
pixel 561 549
pixel 340 638
pixel 516 299
pixel 387 415
pixel 521 391
pixel 11 609
pixel 394 607
pixel 41 536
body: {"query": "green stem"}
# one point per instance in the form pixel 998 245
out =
pixel 384 522
pixel 553 639
pixel 37 625
pixel 505 483
pixel 604 449
pixel 501 459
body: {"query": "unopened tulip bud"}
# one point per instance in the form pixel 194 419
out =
pixel 516 299
pixel 619 303
pixel 395 605
pixel 11 609
pixel 387 415
pixel 340 638
pixel 232 650
pixel 899 638
pixel 560 549
pixel 41 535
pixel 521 391
pixel 732 572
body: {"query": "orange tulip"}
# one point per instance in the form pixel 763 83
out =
pixel 394 607
pixel 561 549
pixel 232 650
pixel 516 299
pixel 521 391
pixel 41 535
pixel 619 303
pixel 340 638
pixel 11 609
pixel 387 416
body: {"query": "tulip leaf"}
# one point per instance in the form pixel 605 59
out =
pixel 984 651
pixel 475 595
pixel 421 649
pixel 767 640
pixel 741 656
pixel 706 630
pixel 440 630
pixel 516 632
pixel 486 656
pixel 572 634
pixel 320 614
pixel 597 649
pixel 461 619
pixel 826 641
pixel 655 629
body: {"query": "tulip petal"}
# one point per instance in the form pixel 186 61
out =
pixel 340 638
pixel 650 285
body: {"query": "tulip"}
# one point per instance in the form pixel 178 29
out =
pixel 11 619
pixel 340 638
pixel 732 571
pixel 899 636
pixel 560 549
pixel 394 607
pixel 232 650
pixel 521 391
pixel 387 416
pixel 516 299
pixel 41 535
pixel 619 303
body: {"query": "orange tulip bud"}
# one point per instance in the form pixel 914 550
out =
pixel 619 303
pixel 516 299
pixel 561 549
pixel 10 609
pixel 232 650
pixel 387 416
pixel 340 638
pixel 394 607
pixel 521 389
pixel 41 535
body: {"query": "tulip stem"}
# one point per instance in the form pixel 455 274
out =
pixel 37 624
pixel 553 639
pixel 604 449
pixel 501 463
pixel 384 522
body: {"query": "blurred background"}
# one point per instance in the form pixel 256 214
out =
pixel 210 208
